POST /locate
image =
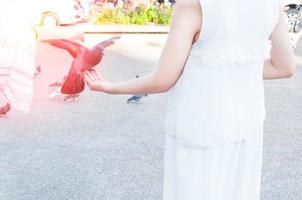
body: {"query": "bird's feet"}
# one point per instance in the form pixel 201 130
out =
pixel 66 97
pixel 71 97
pixel 4 105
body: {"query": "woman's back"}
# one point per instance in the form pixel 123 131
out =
pixel 219 97
pixel 237 23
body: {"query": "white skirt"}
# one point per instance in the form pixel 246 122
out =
pixel 229 172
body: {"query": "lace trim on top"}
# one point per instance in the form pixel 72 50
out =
pixel 238 57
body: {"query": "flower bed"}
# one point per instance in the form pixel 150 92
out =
pixel 142 15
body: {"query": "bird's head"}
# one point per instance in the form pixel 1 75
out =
pixel 98 49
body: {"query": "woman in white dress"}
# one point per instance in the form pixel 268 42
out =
pixel 213 65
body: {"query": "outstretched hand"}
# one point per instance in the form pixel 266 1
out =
pixel 95 82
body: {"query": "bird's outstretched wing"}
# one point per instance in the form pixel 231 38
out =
pixel 108 42
pixel 73 47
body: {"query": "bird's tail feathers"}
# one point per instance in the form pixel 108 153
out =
pixel 73 84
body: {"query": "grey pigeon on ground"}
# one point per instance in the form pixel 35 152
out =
pixel 136 98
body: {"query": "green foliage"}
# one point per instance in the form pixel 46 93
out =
pixel 164 16
pixel 140 16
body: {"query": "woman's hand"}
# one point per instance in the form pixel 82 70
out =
pixel 95 82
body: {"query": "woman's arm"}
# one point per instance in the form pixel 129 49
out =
pixel 185 25
pixel 281 64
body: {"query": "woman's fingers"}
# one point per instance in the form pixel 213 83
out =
pixel 88 78
pixel 95 74
pixel 93 80
pixel 89 82
pixel 89 75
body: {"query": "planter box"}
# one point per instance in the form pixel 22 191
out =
pixel 89 28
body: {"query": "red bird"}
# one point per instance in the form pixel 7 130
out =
pixel 84 59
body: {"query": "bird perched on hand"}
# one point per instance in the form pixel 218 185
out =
pixel 84 59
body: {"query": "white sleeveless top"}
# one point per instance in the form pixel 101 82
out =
pixel 219 98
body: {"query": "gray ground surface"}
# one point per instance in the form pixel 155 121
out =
pixel 100 148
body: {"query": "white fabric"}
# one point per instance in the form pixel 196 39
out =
pixel 219 98
pixel 17 55
pixel 228 172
